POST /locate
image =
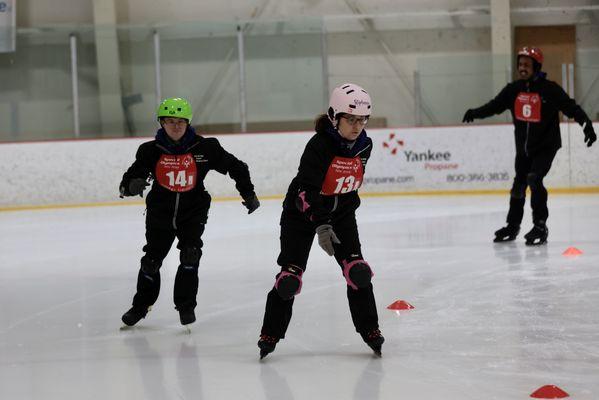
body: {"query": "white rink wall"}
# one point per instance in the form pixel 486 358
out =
pixel 461 158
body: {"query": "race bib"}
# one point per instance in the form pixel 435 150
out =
pixel 527 107
pixel 343 176
pixel 177 173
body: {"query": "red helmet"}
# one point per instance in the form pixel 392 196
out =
pixel 533 52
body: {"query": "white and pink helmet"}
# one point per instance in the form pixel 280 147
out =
pixel 349 98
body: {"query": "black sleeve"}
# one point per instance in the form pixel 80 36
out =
pixel 312 170
pixel 226 163
pixel 567 105
pixel 365 154
pixel 141 168
pixel 503 101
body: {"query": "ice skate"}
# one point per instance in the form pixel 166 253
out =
pixel 537 235
pixel 506 234
pixel 374 340
pixel 134 315
pixel 187 316
pixel 267 345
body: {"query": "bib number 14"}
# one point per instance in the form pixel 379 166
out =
pixel 180 179
pixel 177 173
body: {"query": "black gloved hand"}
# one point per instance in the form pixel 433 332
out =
pixel 137 186
pixel 251 203
pixel 326 238
pixel 468 116
pixel 590 136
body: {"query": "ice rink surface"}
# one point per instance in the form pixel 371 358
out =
pixel 491 321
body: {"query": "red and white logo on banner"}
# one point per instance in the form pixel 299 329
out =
pixel 527 107
pixel 177 173
pixel 393 144
pixel 344 175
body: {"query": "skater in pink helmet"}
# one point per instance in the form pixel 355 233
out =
pixel 535 103
pixel 321 201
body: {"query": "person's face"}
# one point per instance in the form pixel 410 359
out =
pixel 175 127
pixel 525 67
pixel 350 126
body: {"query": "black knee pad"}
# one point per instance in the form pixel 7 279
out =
pixel 534 180
pixel 190 255
pixel 518 191
pixel 150 265
pixel 289 282
pixel 357 273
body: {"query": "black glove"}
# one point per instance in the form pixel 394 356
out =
pixel 137 186
pixel 326 238
pixel 590 136
pixel 468 116
pixel 251 203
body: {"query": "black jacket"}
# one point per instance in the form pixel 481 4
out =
pixel 305 189
pixel 207 154
pixel 533 137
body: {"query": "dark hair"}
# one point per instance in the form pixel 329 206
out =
pixel 322 123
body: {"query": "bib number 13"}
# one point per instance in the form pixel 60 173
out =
pixel 180 179
pixel 346 184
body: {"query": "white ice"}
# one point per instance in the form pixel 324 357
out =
pixel 491 321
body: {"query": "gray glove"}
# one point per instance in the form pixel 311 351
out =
pixel 326 238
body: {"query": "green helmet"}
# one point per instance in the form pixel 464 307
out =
pixel 175 107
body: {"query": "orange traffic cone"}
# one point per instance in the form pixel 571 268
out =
pixel 549 392
pixel 572 252
pixel 400 305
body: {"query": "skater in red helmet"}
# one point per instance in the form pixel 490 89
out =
pixel 321 201
pixel 535 103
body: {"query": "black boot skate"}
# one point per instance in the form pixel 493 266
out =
pixel 134 315
pixel 267 345
pixel 537 235
pixel 187 316
pixel 374 340
pixel 507 233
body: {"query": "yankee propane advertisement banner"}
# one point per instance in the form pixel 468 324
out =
pixel 449 158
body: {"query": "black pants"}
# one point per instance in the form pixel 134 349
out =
pixel 160 235
pixel 297 236
pixel 530 171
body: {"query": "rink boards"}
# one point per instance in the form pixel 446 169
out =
pixel 404 160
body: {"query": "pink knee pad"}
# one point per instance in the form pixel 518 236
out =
pixel 301 202
pixel 347 266
pixel 289 284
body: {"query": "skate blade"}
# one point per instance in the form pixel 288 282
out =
pixel 263 354
pixel 536 243
pixel 502 239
